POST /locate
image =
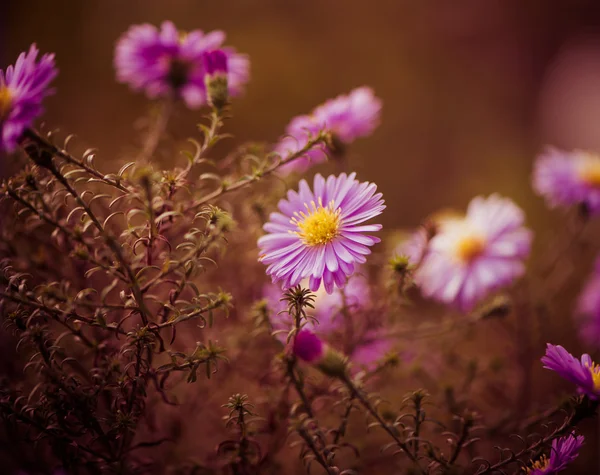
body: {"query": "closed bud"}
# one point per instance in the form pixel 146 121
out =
pixel 215 78
pixel 310 348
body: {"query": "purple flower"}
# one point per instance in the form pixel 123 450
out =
pixel 22 89
pixel 564 450
pixel 472 256
pixel 568 178
pixel 165 62
pixel 588 309
pixel 308 346
pixel 585 374
pixel 318 234
pixel 346 118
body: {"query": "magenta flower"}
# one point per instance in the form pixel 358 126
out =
pixel 166 62
pixel 588 309
pixel 347 117
pixel 22 89
pixel 318 234
pixel 564 450
pixel 585 374
pixel 568 178
pixel 472 256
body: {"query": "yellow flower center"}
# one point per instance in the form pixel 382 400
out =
pixel 589 171
pixel 5 101
pixel 540 464
pixel 469 247
pixel 595 371
pixel 319 224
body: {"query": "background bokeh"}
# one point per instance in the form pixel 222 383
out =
pixel 472 89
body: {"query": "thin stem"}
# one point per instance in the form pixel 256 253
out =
pixel 313 448
pixel 355 392
pixel 157 131
pixel 37 138
pixel 110 241
pixel 242 182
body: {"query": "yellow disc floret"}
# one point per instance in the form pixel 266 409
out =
pixel 469 247
pixel 589 170
pixel 5 101
pixel 595 371
pixel 319 224
pixel 540 464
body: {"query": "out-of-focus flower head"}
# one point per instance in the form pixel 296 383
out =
pixel 166 62
pixel 584 373
pixel 22 89
pixel 563 451
pixel 568 178
pixel 346 118
pixel 588 309
pixel 318 234
pixel 470 257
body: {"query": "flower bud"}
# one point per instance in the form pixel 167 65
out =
pixel 310 348
pixel 215 78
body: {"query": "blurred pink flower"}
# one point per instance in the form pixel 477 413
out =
pixel 568 178
pixel 346 117
pixel 164 62
pixel 472 256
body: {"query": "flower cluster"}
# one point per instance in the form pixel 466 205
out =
pixel 167 62
pixel 98 285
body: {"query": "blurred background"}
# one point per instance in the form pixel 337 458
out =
pixel 472 90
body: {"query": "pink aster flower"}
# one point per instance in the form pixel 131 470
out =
pixel 318 234
pixel 22 89
pixel 472 256
pixel 584 373
pixel 346 118
pixel 165 62
pixel 568 178
pixel 588 309
pixel 564 450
